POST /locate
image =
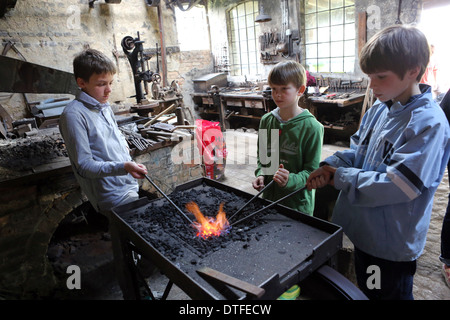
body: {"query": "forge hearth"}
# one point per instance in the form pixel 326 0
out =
pixel 272 250
pixel 37 192
pixel 167 230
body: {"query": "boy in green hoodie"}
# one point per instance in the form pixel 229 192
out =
pixel 291 134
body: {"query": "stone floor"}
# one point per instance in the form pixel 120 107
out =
pixel 241 162
pixel 429 283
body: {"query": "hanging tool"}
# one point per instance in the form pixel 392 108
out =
pixel 168 199
pixel 248 202
pixel 270 205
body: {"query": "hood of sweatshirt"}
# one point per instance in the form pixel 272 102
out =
pixel 303 115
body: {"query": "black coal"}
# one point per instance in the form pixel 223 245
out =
pixel 27 153
pixel 168 232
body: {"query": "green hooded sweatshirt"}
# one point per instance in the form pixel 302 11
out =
pixel 299 149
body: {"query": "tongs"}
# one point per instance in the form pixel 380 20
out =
pixel 270 205
pixel 168 199
pixel 248 202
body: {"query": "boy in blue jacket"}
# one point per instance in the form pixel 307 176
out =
pixel 397 158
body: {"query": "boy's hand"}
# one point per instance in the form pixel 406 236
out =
pixel 137 170
pixel 281 177
pixel 258 183
pixel 321 177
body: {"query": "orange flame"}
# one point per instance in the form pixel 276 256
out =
pixel 208 226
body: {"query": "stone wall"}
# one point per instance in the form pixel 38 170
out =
pixel 33 205
pixel 52 32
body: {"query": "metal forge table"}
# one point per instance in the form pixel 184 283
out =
pixel 285 249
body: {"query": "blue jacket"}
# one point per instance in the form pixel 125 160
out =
pixel 97 151
pixel 389 176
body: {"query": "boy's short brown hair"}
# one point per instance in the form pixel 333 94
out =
pixel 91 61
pixel 397 48
pixel 287 72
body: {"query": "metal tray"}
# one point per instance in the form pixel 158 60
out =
pixel 289 247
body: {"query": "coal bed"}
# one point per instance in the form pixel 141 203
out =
pixel 275 248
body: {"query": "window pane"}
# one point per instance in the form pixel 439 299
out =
pixel 349 14
pixel 336 4
pixel 329 35
pixel 323 34
pixel 311 65
pixel 324 50
pixel 323 19
pixel 311 36
pixel 323 65
pixel 311 50
pixel 337 33
pixel 252 59
pixel 251 33
pixel 241 10
pixel 310 6
pixel 337 16
pixel 244 48
pixel 250 20
pixel 310 21
pixel 249 6
pixel 233 24
pixel 323 5
pixel 241 21
pixel 349 64
pixel 349 31
pixel 349 48
pixel 337 65
pixel 242 34
pixel 337 49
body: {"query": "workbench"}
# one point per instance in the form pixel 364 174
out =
pixel 338 114
pixel 353 98
pixel 236 104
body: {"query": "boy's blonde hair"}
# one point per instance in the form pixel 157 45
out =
pixel 287 72
pixel 397 48
pixel 92 61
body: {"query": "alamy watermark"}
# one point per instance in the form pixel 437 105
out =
pixel 215 147
pixel 74 280
pixel 73 22
pixel 374 280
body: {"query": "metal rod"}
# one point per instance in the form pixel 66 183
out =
pixel 268 185
pixel 270 205
pixel 168 199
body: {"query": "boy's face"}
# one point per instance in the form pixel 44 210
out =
pixel 387 85
pixel 286 96
pixel 98 86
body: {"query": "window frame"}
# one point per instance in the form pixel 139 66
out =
pixel 243 38
pixel 321 41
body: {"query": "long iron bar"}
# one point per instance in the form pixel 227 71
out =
pixel 270 205
pixel 168 199
pixel 267 186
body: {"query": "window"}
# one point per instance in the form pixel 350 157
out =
pixel 192 29
pixel 329 35
pixel 242 38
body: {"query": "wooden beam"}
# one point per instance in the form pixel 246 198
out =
pixel 362 30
